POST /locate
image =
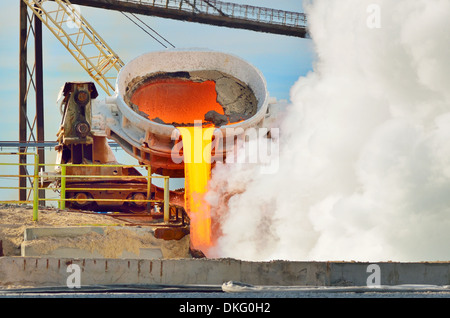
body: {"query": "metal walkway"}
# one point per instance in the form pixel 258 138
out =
pixel 212 12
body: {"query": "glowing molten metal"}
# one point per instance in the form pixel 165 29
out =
pixel 197 170
pixel 177 101
pixel 182 103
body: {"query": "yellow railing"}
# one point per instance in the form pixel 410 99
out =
pixel 61 177
pixel 34 177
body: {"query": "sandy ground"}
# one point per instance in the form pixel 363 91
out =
pixel 14 219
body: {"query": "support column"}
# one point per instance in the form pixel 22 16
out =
pixel 39 96
pixel 23 96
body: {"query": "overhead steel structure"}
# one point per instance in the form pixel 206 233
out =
pixel 212 12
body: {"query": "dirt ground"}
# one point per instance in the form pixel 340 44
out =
pixel 14 219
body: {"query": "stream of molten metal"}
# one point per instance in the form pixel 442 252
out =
pixel 197 170
pixel 180 102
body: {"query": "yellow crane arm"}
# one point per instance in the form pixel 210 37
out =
pixel 81 40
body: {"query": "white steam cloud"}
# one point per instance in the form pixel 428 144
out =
pixel 364 170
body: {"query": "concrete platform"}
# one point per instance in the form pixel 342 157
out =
pixel 149 265
pixel 100 242
pixel 43 271
pixel 36 233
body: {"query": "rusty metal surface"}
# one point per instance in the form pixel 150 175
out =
pixel 139 218
pixel 178 218
pixel 171 233
pixel 175 230
pixel 119 191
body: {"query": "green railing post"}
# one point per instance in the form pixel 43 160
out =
pixel 149 185
pixel 36 188
pixel 166 200
pixel 62 202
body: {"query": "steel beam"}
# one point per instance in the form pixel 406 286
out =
pixel 146 8
pixel 39 96
pixel 30 78
pixel 23 96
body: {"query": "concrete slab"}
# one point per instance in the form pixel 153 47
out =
pixel 100 242
pixel 42 271
pixel 36 233
pixel 67 252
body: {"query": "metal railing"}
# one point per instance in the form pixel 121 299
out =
pixel 60 181
pixel 63 180
pixel 33 180
pixel 231 10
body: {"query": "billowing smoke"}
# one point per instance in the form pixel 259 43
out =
pixel 364 161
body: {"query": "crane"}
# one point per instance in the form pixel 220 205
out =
pixel 83 42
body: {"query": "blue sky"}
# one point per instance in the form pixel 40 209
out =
pixel 281 59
